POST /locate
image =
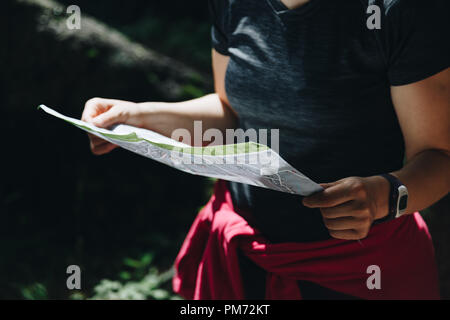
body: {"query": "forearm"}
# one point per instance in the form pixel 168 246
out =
pixel 427 177
pixel 351 205
pixel 166 117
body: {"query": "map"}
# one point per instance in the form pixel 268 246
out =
pixel 250 163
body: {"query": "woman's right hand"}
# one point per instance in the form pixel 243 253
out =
pixel 104 113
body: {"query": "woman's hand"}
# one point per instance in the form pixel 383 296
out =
pixel 161 117
pixel 349 206
pixel 104 113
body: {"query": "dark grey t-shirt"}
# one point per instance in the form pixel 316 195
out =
pixel 323 78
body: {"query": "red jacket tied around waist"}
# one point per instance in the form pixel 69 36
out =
pixel 207 265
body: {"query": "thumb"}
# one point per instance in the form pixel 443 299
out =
pixel 327 185
pixel 108 118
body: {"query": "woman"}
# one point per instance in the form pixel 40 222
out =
pixel 351 103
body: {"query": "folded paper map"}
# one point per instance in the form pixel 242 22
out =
pixel 251 163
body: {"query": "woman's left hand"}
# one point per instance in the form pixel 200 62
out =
pixel 349 206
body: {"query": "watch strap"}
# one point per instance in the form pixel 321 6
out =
pixel 394 184
pixel 393 194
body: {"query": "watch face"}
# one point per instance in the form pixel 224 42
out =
pixel 403 202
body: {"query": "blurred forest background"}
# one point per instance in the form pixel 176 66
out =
pixel 120 217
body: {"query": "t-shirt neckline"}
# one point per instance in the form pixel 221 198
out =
pixel 281 10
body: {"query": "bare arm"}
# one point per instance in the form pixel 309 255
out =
pixel 349 206
pixel 213 110
pixel 423 109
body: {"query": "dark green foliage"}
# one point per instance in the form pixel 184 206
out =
pixel 177 28
pixel 119 216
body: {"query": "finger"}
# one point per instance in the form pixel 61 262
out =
pixel 330 184
pixel 94 107
pixel 327 185
pixel 330 197
pixel 345 234
pixel 344 223
pixel 95 140
pixel 110 117
pixel 104 148
pixel 342 210
pixel 96 144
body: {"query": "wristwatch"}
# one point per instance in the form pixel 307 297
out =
pixel 398 197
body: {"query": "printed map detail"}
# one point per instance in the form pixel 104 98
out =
pixel 249 163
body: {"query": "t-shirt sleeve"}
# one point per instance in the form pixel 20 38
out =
pixel 416 39
pixel 219 36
